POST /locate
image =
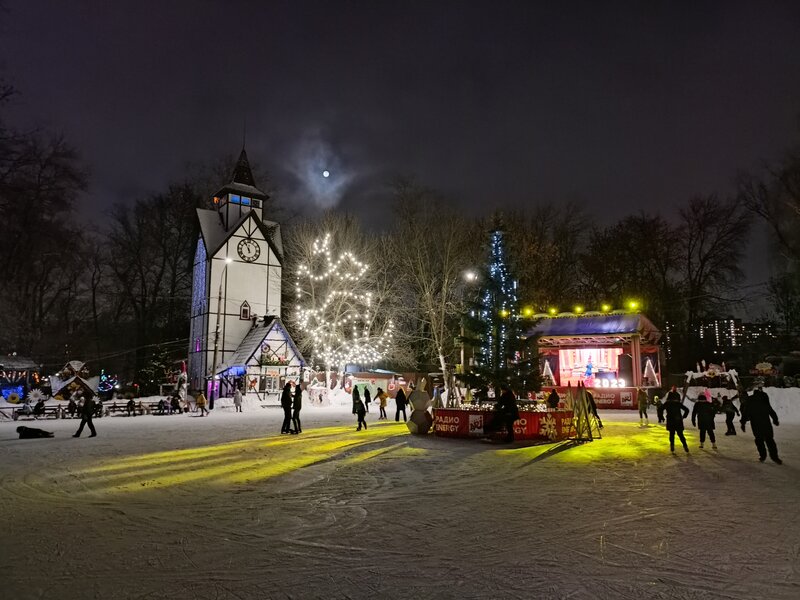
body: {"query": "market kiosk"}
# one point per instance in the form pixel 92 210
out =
pixel 545 425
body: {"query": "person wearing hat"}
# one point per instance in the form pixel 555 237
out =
pixel 703 418
pixel 758 411
pixel 675 412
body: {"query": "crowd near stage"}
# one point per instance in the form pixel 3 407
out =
pixel 551 425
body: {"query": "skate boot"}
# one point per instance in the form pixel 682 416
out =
pixel 714 446
pixel 701 444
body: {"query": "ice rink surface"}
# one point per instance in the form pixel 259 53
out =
pixel 225 507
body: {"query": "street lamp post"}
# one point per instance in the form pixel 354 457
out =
pixel 211 393
pixel 470 277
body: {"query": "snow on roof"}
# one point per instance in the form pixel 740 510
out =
pixel 17 363
pixel 211 229
pixel 252 343
pixel 214 234
pixel 614 324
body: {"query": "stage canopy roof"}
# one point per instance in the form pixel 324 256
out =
pixel 593 329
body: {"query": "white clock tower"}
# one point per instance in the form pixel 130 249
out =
pixel 236 336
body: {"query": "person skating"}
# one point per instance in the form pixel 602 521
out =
pixel 86 418
pixel 286 405
pixel 703 418
pixel 200 402
pixel 673 395
pixel 730 411
pixel 382 398
pixel 297 404
pixel 659 409
pixel 237 400
pixel 356 399
pixel 758 411
pixel 643 401
pixel 675 413
pixel 400 401
pixel 360 412
pixel 367 398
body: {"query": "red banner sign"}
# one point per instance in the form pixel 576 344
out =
pixel 551 425
pixel 605 397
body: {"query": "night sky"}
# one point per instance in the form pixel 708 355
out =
pixel 614 105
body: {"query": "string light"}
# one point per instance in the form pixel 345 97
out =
pixel 339 322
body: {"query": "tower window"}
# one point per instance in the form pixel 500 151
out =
pixel 244 311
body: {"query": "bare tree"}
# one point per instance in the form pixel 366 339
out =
pixel 716 234
pixel 150 249
pixel 640 257
pixel 544 246
pixel 775 197
pixel 432 247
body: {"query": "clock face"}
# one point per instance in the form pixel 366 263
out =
pixel 249 250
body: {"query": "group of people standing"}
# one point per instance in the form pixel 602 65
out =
pixel 756 410
pixel 291 403
pixel 361 407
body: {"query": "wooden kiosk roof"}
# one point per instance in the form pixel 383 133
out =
pixel 593 329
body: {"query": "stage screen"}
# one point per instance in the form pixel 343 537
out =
pixel 588 366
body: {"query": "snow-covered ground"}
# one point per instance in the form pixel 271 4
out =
pixel 225 507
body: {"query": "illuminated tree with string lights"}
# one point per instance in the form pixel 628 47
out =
pixel 495 328
pixel 337 308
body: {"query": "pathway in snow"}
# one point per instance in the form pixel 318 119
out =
pixel 224 507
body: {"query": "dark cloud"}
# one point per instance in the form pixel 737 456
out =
pixel 620 106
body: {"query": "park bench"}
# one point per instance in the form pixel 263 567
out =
pixel 49 411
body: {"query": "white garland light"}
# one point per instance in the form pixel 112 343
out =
pixel 340 323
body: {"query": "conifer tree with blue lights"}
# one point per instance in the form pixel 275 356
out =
pixel 495 327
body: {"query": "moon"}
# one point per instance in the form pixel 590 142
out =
pixel 326 173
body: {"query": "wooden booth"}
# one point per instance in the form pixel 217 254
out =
pixel 612 354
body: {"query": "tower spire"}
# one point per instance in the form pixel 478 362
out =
pixel 242 172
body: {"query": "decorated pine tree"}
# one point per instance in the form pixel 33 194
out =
pixel 495 326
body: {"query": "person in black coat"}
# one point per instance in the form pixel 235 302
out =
pixel 297 404
pixel 367 398
pixel 360 412
pixel 505 413
pixel 703 418
pixel 286 405
pixel 659 410
pixel 356 400
pixel 758 411
pixel 38 410
pixel 87 411
pixel 400 401
pixel 553 399
pixel 29 433
pixel 675 413
pixel 730 411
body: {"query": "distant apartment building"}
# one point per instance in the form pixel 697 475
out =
pixel 717 338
